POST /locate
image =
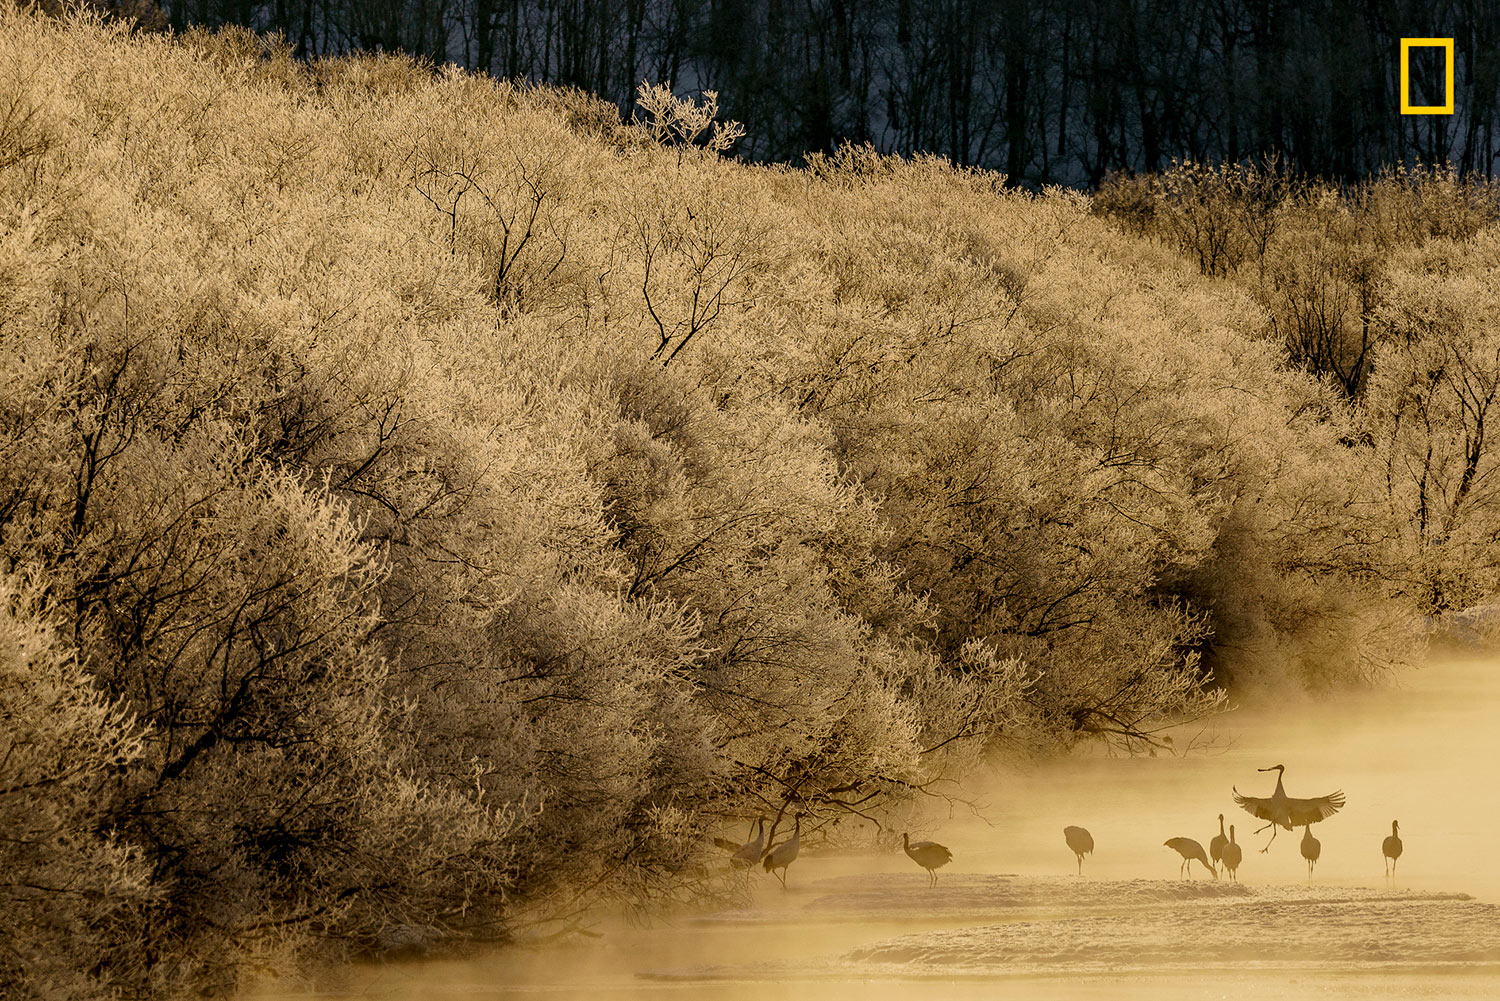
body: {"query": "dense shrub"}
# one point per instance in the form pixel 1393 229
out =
pixel 1378 290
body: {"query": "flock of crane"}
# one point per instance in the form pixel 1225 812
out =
pixel 1277 809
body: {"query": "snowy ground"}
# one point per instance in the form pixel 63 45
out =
pixel 1025 926
pixel 982 937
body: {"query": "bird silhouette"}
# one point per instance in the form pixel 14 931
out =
pixel 734 846
pixel 1232 856
pixel 1189 850
pixel 785 853
pixel 1311 848
pixel 750 852
pixel 1216 846
pixel 928 854
pixel 1391 849
pixel 1282 810
pixel 1080 841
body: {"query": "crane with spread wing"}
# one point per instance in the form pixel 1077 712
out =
pixel 1281 810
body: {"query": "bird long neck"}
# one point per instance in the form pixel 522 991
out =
pixel 1280 793
pixel 1221 825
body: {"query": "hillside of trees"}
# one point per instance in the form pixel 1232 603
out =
pixel 430 507
pixel 1047 91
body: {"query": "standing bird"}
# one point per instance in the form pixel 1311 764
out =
pixel 1284 811
pixel 1232 856
pixel 1080 841
pixel 1189 850
pixel 1216 846
pixel 928 854
pixel 750 852
pixel 1391 849
pixel 1311 848
pixel 785 853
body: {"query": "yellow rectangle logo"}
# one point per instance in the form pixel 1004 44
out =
pixel 1407 44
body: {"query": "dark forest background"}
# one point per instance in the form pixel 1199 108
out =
pixel 1056 92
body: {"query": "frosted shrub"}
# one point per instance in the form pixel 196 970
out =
pixel 1221 215
pixel 1321 296
pixel 1432 397
pixel 677 120
pixel 1411 205
pixel 77 896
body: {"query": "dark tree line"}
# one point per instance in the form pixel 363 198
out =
pixel 1049 91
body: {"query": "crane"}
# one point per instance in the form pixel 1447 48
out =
pixel 928 854
pixel 785 853
pixel 1189 850
pixel 1080 841
pixel 1391 848
pixel 1232 856
pixel 1282 810
pixel 1311 848
pixel 1216 846
pixel 750 852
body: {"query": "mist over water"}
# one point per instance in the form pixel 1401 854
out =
pixel 1425 750
pixel 1009 919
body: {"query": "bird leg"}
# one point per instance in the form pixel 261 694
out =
pixel 1272 826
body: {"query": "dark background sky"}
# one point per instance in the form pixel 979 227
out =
pixel 1061 91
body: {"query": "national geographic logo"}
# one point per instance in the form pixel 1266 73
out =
pixel 1407 44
